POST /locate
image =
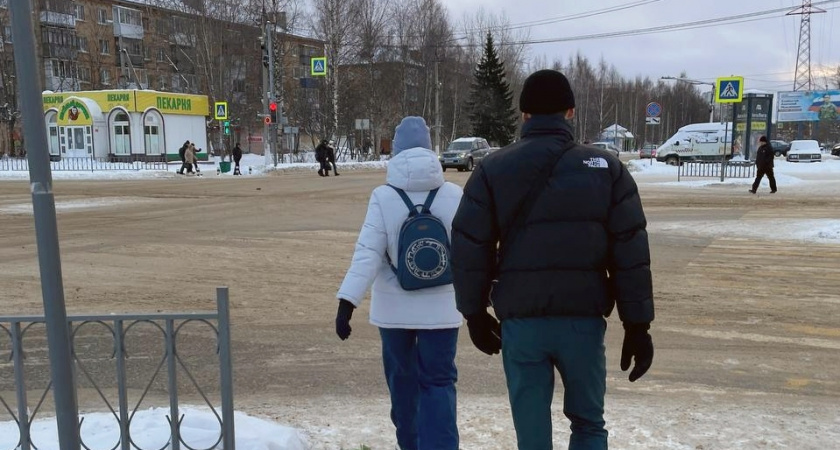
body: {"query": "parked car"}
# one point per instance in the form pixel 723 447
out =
pixel 780 148
pixel 835 151
pixel 464 153
pixel 608 146
pixel 648 151
pixel 804 151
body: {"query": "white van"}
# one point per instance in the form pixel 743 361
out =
pixel 698 141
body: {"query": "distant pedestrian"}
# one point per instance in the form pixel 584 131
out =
pixel 321 158
pixel 237 156
pixel 331 157
pixel 764 159
pixel 181 155
pixel 189 158
pixel 418 328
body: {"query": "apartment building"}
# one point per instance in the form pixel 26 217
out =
pixel 165 45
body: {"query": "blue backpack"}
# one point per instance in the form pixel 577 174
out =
pixel 423 247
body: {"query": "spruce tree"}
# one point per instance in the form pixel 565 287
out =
pixel 491 110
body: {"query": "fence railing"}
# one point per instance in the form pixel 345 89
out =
pixel 716 169
pixel 119 330
pixel 84 164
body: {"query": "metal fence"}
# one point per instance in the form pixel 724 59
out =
pixel 118 331
pixel 716 169
pixel 84 164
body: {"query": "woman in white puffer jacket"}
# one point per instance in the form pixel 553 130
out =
pixel 419 329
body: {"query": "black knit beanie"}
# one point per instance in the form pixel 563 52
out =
pixel 546 92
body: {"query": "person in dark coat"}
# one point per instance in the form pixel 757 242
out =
pixel 331 158
pixel 182 155
pixel 321 157
pixel 552 235
pixel 237 156
pixel 764 159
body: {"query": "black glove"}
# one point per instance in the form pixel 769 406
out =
pixel 485 332
pixel 342 319
pixel 638 345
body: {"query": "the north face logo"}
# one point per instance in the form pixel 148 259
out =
pixel 596 163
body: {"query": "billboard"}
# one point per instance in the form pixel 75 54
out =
pixel 813 106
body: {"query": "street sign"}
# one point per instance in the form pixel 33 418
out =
pixel 267 120
pixel 318 67
pixel 653 120
pixel 291 130
pixel 363 124
pixel 729 89
pixel 653 109
pixel 221 110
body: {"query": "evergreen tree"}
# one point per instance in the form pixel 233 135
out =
pixel 491 110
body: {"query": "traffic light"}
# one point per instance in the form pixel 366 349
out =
pixel 264 55
pixel 226 126
pixel 272 110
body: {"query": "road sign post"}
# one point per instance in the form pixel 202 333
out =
pixel 220 110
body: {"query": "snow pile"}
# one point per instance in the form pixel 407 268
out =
pixel 150 429
pixel 822 231
pixel 73 205
pixel 650 167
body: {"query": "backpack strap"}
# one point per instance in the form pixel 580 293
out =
pixel 412 208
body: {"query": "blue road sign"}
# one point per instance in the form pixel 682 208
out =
pixel 653 109
pixel 729 89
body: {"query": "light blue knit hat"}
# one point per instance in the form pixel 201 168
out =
pixel 410 133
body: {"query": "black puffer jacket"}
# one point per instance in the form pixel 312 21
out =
pixel 764 157
pixel 582 248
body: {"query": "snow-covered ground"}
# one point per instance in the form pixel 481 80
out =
pixel 150 429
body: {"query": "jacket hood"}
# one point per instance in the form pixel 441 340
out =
pixel 415 169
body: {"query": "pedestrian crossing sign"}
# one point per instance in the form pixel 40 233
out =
pixel 318 67
pixel 729 89
pixel 221 110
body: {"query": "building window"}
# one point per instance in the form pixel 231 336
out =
pixel 161 54
pixel 84 74
pixel 105 76
pixel 104 47
pixel 62 69
pixel 82 44
pixel 162 26
pixel 7 34
pixel 79 11
pixel 103 15
pixel 127 16
pixel 147 53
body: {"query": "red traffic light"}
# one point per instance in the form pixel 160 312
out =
pixel 272 106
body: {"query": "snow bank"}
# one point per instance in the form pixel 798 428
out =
pixel 150 429
pixel 822 231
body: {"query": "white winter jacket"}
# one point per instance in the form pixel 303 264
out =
pixel 416 171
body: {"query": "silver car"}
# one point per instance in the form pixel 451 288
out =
pixel 464 153
pixel 608 146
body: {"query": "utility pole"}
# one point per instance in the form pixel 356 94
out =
pixel 266 93
pixel 272 129
pixel 46 227
pixel 437 106
pixel 803 80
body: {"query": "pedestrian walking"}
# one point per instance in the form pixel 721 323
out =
pixel 552 235
pixel 237 156
pixel 189 158
pixel 764 161
pixel 181 155
pixel 418 328
pixel 321 158
pixel 331 158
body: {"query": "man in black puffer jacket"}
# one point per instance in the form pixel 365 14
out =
pixel 552 234
pixel 764 165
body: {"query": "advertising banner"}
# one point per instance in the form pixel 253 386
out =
pixel 801 106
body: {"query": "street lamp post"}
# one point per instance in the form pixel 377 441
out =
pixel 697 82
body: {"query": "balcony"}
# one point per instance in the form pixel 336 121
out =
pixel 58 19
pixel 58 51
pixel 183 39
pixel 128 30
pixel 134 60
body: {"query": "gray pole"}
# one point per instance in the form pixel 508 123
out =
pixel 437 108
pixel 46 227
pixel 266 100
pixel 272 129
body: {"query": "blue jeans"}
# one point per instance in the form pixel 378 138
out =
pixel 531 349
pixel 421 375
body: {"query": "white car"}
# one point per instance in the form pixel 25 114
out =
pixel 608 146
pixel 804 151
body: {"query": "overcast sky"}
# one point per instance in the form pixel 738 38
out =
pixel 763 51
